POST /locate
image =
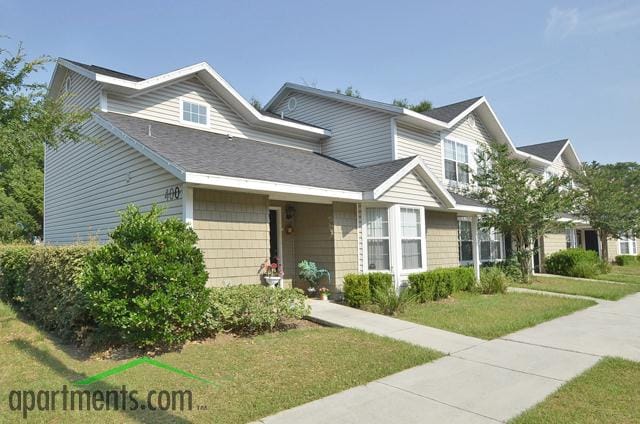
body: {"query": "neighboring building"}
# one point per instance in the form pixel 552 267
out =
pixel 352 184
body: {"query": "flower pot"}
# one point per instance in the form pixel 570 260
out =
pixel 324 296
pixel 272 281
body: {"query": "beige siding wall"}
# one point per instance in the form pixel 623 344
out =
pixel 442 239
pixel 345 235
pixel 360 136
pixel 233 229
pixel 552 243
pixel 411 190
pixel 413 141
pixel 163 105
pixel 614 249
pixel 86 184
pixel 479 133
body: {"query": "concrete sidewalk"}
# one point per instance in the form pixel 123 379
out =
pixel 488 381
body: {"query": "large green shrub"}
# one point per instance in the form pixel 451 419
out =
pixel 380 280
pixel 492 280
pixel 626 260
pixel 574 262
pixel 510 267
pixel 356 290
pixel 14 264
pixel 53 296
pixel 147 285
pixel 250 309
pixel 440 283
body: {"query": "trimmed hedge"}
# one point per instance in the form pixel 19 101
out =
pixel 509 267
pixel 440 283
pixel 575 262
pixel 357 291
pixel 360 289
pixel 626 260
pixel 251 309
pixel 42 282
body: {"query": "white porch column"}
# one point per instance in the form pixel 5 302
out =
pixel 187 205
pixel 475 243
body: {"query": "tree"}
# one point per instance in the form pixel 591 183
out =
pixel 256 103
pixel 526 205
pixel 610 199
pixel 423 106
pixel 29 119
pixel 349 91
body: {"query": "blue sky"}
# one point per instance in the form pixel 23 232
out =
pixel 549 69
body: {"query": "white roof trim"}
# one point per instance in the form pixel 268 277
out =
pixel 415 164
pixel 150 83
pixel 270 186
pixel 573 151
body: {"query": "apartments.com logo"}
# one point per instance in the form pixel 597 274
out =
pixel 122 399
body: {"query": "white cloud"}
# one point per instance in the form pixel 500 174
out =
pixel 561 22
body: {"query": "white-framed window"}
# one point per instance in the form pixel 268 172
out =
pixel 571 237
pixel 490 245
pixel 628 244
pixel 377 239
pixel 456 161
pixel 465 241
pixel 194 113
pixel 411 237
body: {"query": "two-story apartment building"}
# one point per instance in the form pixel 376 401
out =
pixel 352 184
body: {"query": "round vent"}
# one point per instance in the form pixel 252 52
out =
pixel 291 104
pixel 472 121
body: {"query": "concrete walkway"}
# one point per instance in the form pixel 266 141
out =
pixel 480 381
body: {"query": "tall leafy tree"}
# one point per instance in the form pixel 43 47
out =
pixel 610 199
pixel 29 119
pixel 423 106
pixel 526 205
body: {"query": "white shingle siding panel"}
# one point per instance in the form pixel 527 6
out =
pixel 88 183
pixel 412 191
pixel 359 136
pixel 478 133
pixel 412 141
pixel 83 93
pixel 163 105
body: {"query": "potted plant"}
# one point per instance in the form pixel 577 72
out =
pixel 309 272
pixel 272 273
pixel 324 293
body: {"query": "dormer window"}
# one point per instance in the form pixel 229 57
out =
pixel 456 162
pixel 195 113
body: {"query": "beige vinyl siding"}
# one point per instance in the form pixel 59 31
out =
pixel 83 93
pixel 442 239
pixel 163 105
pixel 233 232
pixel 360 136
pixel 552 243
pixel 479 133
pixel 87 183
pixel 411 190
pixel 613 246
pixel 412 141
pixel 345 235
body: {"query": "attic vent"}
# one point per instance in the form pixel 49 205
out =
pixel 291 104
pixel 472 121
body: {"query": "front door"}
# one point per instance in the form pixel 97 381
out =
pixel 591 240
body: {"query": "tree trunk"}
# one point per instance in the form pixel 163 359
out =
pixel 523 253
pixel 605 245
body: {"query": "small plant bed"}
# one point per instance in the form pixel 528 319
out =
pixel 600 290
pixel 491 316
pixel 252 377
pixel 607 393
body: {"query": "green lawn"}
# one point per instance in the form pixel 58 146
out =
pixel 491 316
pixel 600 290
pixel 253 377
pixel 607 393
pixel 623 274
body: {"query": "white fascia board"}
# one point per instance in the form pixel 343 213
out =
pixel 474 209
pixel 138 87
pixel 576 158
pixel 269 186
pixel 427 176
pixel 159 160
pixel 468 110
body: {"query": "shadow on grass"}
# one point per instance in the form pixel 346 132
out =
pixel 46 359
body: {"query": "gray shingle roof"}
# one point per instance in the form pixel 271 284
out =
pixel 466 201
pixel 448 113
pixel 106 71
pixel 199 151
pixel 548 150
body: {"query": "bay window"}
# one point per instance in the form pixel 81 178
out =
pixel 456 162
pixel 377 228
pixel 628 245
pixel 411 234
pixel 490 244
